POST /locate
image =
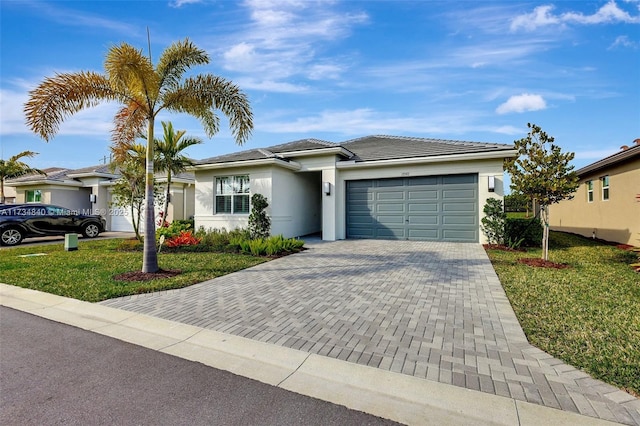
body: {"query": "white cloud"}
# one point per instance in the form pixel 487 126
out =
pixel 522 103
pixel 180 3
pixel 623 41
pixel 544 16
pixel 285 39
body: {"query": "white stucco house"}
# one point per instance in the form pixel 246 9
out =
pixel 381 187
pixel 88 190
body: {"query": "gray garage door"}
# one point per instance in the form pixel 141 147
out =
pixel 434 208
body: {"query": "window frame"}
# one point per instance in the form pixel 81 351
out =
pixel 33 192
pixel 235 189
pixel 589 191
pixel 606 184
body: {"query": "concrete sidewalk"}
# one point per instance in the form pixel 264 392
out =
pixel 400 397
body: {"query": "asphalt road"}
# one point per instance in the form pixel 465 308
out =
pixel 52 373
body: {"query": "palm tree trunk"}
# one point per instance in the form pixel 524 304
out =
pixel 150 257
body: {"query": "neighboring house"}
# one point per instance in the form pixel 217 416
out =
pixel 89 190
pixel 371 187
pixel 607 202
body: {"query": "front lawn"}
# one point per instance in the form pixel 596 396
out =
pixel 588 315
pixel 87 274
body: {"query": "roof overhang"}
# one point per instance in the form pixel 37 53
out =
pixel 492 155
pixel 291 165
pixel 93 175
pixel 45 182
pixel 335 150
pixel 612 160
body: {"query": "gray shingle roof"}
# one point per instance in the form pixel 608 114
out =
pixel 379 147
pixel 270 152
pixel 368 148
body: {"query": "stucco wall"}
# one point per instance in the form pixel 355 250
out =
pixel 296 206
pixel 260 182
pixel 616 219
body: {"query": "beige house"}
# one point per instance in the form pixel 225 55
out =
pixel 607 202
pixel 88 190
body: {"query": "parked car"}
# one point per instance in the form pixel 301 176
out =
pixel 20 221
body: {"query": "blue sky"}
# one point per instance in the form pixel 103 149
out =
pixel 337 70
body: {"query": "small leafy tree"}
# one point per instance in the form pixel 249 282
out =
pixel 259 222
pixel 517 202
pixel 129 190
pixel 493 221
pixel 542 172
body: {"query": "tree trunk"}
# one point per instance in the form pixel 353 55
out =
pixel 544 214
pixel 2 191
pixel 150 257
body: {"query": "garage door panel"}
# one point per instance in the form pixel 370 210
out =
pixel 390 195
pixel 423 195
pixel 390 220
pixel 424 220
pixel 458 220
pixel 422 207
pixel 386 208
pixel 437 208
pixel 389 183
pixel 459 179
pixel 459 207
pixel 464 194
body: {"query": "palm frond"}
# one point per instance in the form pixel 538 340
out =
pixel 61 96
pixel 206 92
pixel 129 123
pixel 130 71
pixel 176 60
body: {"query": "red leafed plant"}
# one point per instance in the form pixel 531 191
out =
pixel 185 238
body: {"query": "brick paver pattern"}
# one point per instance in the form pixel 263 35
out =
pixel 428 309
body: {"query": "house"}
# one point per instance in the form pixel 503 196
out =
pixel 371 187
pixel 88 190
pixel 607 202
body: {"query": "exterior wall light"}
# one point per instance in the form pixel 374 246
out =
pixel 492 183
pixel 326 186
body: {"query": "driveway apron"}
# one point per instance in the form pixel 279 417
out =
pixel 432 310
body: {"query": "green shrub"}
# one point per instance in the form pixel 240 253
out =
pixel 493 221
pixel 528 231
pixel 174 229
pixel 259 222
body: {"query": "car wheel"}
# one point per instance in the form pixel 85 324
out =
pixel 10 237
pixel 90 230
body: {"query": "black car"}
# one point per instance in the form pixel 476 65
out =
pixel 20 221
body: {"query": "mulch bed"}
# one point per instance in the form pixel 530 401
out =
pixel 541 263
pixel 146 276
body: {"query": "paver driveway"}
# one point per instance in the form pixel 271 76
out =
pixel 432 310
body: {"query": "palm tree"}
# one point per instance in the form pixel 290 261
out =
pixel 131 79
pixel 13 168
pixel 170 159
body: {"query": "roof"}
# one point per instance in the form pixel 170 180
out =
pixel 381 147
pixel 56 175
pixel 368 148
pixel 613 160
pixel 275 151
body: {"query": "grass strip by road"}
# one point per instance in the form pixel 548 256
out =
pixel 587 315
pixel 87 274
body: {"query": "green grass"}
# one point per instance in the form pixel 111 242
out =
pixel 87 274
pixel 519 215
pixel 587 315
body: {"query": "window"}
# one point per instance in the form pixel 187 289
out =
pixel 33 196
pixel 590 191
pixel 605 188
pixel 232 194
